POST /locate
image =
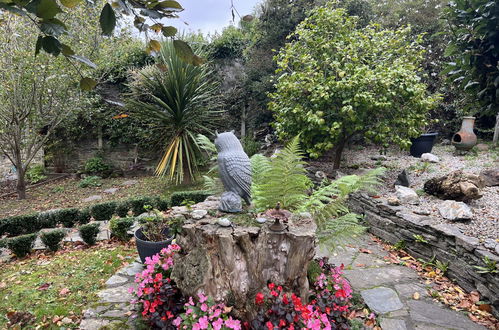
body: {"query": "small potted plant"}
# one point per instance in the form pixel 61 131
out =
pixel 156 232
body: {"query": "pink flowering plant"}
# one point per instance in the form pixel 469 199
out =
pixel 159 300
pixel 205 314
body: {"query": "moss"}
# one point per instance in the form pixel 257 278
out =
pixel 313 271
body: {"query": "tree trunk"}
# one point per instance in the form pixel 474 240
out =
pixel 243 123
pixel 21 183
pixel 496 130
pixel 233 264
pixel 337 154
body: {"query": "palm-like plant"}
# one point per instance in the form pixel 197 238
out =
pixel 181 100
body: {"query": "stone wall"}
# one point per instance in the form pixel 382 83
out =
pixel 7 171
pixel 445 242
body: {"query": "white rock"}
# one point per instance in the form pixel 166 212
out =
pixel 111 191
pixel 452 210
pixel 427 157
pixel 393 201
pixel 224 222
pixel 406 195
pixel 261 220
pixel 93 198
pixel 198 214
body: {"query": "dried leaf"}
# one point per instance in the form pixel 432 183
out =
pixel 365 251
pixel 416 296
pixel 64 292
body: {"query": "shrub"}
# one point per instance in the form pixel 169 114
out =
pixel 137 204
pixel 161 204
pixel 251 146
pixel 90 181
pixel 67 217
pixel 47 219
pixel 196 196
pixel 19 225
pixel 3 243
pixel 83 216
pixel 97 166
pixel 35 173
pixel 53 238
pixel 120 227
pixel 122 208
pixel 22 245
pixel 103 211
pixel 89 233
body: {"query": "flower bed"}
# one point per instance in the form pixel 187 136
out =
pixel 162 305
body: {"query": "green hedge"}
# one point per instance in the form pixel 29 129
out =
pixel 22 245
pixel 19 225
pixel 103 211
pixel 195 196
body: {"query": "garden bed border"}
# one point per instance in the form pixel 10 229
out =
pixel 443 241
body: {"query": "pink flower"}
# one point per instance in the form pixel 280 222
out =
pixel 203 322
pixel 233 324
pixel 217 325
pixel 202 297
pixel 204 307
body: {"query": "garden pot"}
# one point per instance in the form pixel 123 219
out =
pixel 422 144
pixel 147 248
pixel 465 139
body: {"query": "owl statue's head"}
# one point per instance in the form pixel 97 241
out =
pixel 227 141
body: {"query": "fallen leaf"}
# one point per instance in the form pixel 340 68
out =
pixel 360 265
pixel 485 308
pixel 416 296
pixel 44 286
pixel 365 251
pixel 64 292
pixel 474 296
pixel 3 285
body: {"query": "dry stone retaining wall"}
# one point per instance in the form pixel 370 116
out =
pixel 444 242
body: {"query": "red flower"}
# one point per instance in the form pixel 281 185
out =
pixel 282 323
pixel 279 288
pixel 340 293
pixel 285 299
pixel 271 286
pixel 269 325
pixel 274 293
pixel 259 299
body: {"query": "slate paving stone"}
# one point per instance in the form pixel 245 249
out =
pixel 131 269
pixel 93 324
pixel 382 300
pixel 392 324
pixel 111 191
pixel 433 314
pixel 368 278
pixel 407 290
pixel 342 256
pixel 115 295
pixel 92 198
pixel 115 281
pixel 368 260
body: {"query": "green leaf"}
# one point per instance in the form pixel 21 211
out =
pixel 84 60
pixel 154 45
pixel 184 51
pixel 87 84
pixel 169 31
pixel 53 27
pixel 51 45
pixel 12 9
pixel 107 20
pixel 38 45
pixel 71 3
pixel 66 50
pixel 170 4
pixel 47 9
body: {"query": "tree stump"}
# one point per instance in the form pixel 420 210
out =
pixel 232 264
pixel 458 185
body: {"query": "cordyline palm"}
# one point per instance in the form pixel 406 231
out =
pixel 180 100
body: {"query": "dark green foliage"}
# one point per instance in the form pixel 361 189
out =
pixel 122 208
pixel 161 204
pixel 19 225
pixel 47 219
pixel 83 216
pixel 137 204
pixel 3 243
pixel 67 217
pixel 36 173
pixel 250 146
pixel 313 271
pixel 21 245
pixel 120 227
pixel 103 211
pixel 89 233
pixel 195 196
pixel 97 166
pixel 90 181
pixel 53 238
pixel 229 45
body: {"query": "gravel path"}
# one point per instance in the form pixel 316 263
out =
pixel 485 222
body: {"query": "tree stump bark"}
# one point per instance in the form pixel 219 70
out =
pixel 458 185
pixel 232 264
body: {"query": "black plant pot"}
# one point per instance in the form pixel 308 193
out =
pixel 147 248
pixel 422 144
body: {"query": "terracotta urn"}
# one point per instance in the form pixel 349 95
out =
pixel 465 139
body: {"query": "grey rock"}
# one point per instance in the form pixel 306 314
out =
pixel 93 324
pixel 92 198
pixel 407 290
pixel 421 212
pixel 224 222
pixel 467 242
pixel 114 313
pixel 115 295
pixel 482 147
pixel 129 183
pixel 445 142
pixel 234 166
pixel 368 278
pixel 131 269
pixel 490 177
pixel 406 195
pixel 431 313
pixel 230 202
pixel 497 249
pixel 111 191
pixel 320 175
pixel 393 201
pixel 379 157
pixel 261 220
pixel 454 211
pixel 490 244
pixel 115 281
pixel 382 300
pixel 403 179
pixel 431 158
pixel 392 324
pixel 198 214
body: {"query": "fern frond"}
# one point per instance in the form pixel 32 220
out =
pixel 340 230
pixel 213 185
pixel 206 144
pixel 259 166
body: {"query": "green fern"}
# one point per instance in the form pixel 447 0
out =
pixel 285 180
pixel 339 229
pixel 259 165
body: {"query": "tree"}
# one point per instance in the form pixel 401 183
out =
pixel 336 80
pixel 181 99
pixel 474 47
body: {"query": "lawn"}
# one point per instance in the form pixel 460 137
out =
pixel 56 288
pixel 66 193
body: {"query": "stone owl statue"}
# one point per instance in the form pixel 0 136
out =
pixel 234 168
